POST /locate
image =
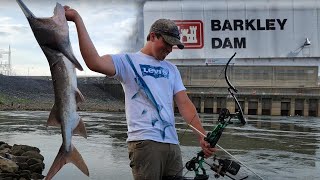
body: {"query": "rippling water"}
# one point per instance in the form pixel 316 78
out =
pixel 273 147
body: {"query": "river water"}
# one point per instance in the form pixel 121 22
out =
pixel 273 147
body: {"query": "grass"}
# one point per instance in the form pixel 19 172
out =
pixel 5 99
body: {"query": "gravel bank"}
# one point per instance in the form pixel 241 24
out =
pixel 23 93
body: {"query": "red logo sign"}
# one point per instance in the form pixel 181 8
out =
pixel 191 33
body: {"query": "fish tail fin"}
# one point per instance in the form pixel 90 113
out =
pixel 57 164
pixel 58 11
pixel 65 47
pixel 77 160
pixel 81 129
pixel 63 158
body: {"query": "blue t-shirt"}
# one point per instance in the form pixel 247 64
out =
pixel 149 118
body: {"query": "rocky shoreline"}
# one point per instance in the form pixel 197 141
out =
pixel 23 93
pixel 20 162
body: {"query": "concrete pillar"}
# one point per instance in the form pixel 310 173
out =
pixel 231 105
pixel 259 106
pixel 292 106
pixel 202 105
pixel 215 105
pixel 305 108
pixel 276 107
pixel 246 106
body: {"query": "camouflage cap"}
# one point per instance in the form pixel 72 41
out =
pixel 168 30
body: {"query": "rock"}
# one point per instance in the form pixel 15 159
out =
pixel 33 161
pixel 20 162
pixel 16 158
pixel 37 176
pixel 8 166
pixel 19 159
pixel 7 176
pixel 17 152
pixel 5 145
pixel 4 151
pixel 33 154
pixel 25 174
pixel 23 166
pixel 25 148
pixel 37 167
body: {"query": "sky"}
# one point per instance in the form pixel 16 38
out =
pixel 111 26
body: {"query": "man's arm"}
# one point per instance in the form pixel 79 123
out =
pixel 95 62
pixel 190 115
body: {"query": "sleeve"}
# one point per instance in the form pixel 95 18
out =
pixel 178 84
pixel 120 67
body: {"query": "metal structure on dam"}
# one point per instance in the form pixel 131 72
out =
pixel 5 61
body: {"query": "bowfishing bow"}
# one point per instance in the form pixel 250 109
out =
pixel 221 167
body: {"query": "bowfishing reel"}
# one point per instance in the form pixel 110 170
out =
pixel 224 167
pixel 221 167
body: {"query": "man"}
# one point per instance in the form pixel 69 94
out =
pixel 150 84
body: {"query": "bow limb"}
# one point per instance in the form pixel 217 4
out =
pixel 239 114
pixel 233 90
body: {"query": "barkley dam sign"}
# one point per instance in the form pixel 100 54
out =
pixel 242 25
pixel 253 29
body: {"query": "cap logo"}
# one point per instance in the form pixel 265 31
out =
pixel 191 33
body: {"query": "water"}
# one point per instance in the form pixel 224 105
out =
pixel 274 147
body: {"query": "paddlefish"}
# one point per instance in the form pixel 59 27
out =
pixel 52 34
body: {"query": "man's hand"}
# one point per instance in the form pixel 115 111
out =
pixel 71 14
pixel 207 150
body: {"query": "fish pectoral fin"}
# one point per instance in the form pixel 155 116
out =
pixel 79 96
pixel 81 129
pixel 63 158
pixel 53 120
